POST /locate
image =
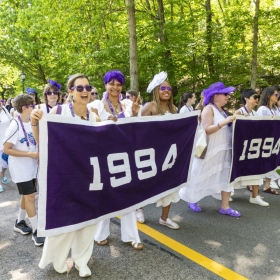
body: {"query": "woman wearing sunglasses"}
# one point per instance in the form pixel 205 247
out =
pixel 162 104
pixel 250 100
pixel 268 107
pixel 81 241
pixel 93 95
pixel 51 95
pixel 114 109
pixel 209 176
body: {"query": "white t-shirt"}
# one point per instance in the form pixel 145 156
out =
pixel 265 111
pixel 98 104
pixel 22 169
pixel 186 109
pixel 5 119
pixel 244 112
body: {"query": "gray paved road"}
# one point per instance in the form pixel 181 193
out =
pixel 248 245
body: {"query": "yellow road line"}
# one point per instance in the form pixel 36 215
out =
pixel 207 263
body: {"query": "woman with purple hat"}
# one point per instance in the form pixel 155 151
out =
pixel 210 175
pixel 112 108
pixel 51 95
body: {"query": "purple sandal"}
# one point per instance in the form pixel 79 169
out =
pixel 194 207
pixel 230 212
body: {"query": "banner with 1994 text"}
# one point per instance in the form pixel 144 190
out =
pixel 93 171
pixel 256 144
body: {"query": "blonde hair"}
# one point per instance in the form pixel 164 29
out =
pixel 156 100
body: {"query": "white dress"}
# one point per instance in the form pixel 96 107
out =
pixel 210 175
pixel 186 109
pixel 56 248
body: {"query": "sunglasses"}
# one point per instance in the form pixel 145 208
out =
pixel 276 94
pixel 226 94
pixel 29 105
pixel 164 88
pixel 32 93
pixel 88 88
pixel 255 97
pixel 52 92
pixel 94 93
pixel 127 96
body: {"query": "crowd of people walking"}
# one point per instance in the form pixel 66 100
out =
pixel 19 139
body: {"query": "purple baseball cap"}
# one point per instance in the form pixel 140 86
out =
pixel 216 88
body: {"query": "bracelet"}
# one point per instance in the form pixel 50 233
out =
pixel 219 126
pixel 34 124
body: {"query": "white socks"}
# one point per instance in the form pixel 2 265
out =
pixel 33 222
pixel 21 215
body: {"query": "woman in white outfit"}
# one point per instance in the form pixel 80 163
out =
pixel 56 248
pixel 209 176
pixel 113 81
pixel 162 104
pixel 51 95
pixel 187 99
pixel 268 107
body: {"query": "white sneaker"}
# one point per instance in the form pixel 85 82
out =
pixel 84 270
pixel 169 223
pixel 258 200
pixel 1 189
pixel 273 185
pixel 140 216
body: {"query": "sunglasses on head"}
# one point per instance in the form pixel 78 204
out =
pixel 80 88
pixel 94 93
pixel 52 92
pixel 164 88
pixel 29 105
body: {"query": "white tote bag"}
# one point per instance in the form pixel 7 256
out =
pixel 201 145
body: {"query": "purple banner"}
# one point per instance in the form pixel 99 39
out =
pixel 89 172
pixel 256 144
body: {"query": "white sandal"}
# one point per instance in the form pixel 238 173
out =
pixel 136 246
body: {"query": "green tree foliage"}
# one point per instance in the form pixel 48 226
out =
pixel 54 39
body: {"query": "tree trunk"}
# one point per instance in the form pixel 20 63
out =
pixel 255 45
pixel 133 55
pixel 167 62
pixel 209 53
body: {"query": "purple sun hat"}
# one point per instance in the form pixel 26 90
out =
pixel 216 88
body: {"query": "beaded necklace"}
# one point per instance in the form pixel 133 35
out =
pixel 223 113
pixel 73 115
pixel 247 111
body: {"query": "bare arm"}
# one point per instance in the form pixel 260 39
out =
pixel 208 121
pixel 149 109
pixel 8 149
